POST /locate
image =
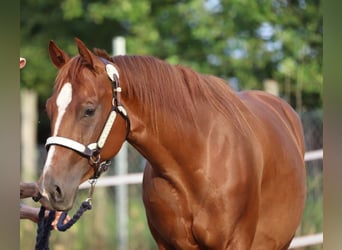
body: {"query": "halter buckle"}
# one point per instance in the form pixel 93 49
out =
pixel 117 89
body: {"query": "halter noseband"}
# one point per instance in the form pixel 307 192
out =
pixel 92 150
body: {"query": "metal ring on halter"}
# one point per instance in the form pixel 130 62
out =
pixel 95 157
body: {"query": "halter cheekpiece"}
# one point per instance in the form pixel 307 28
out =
pixel 92 150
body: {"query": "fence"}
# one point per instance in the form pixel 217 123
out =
pixel 136 178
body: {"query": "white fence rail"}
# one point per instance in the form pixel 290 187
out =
pixel 308 240
pixel 313 155
pixel 136 178
pixel 116 180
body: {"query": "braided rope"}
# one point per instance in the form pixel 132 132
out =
pixel 44 224
pixel 44 229
pixel 86 205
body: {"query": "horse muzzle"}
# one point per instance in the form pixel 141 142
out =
pixel 56 197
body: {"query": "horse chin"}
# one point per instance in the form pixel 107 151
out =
pixel 62 206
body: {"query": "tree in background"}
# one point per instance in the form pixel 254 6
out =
pixel 249 41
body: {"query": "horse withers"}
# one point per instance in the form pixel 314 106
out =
pixel 225 169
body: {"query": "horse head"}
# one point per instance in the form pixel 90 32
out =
pixel 88 123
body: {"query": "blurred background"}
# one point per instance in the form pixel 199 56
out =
pixel 272 45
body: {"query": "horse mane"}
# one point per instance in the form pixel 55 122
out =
pixel 164 90
pixel 102 53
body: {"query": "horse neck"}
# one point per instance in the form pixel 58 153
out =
pixel 187 118
pixel 174 153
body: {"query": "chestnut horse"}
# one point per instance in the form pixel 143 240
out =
pixel 225 170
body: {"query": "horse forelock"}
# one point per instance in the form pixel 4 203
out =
pixel 83 78
pixel 69 71
pixel 164 90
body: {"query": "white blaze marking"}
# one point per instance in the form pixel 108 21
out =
pixel 63 100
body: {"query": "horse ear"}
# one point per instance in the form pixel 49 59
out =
pixel 85 53
pixel 57 56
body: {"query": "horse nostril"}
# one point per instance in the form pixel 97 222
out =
pixel 58 190
pixel 57 194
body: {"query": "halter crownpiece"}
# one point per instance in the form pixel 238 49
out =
pixel 92 150
pixel 111 71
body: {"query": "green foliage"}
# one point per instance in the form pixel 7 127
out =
pixel 249 40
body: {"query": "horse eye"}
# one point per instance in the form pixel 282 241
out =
pixel 89 112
